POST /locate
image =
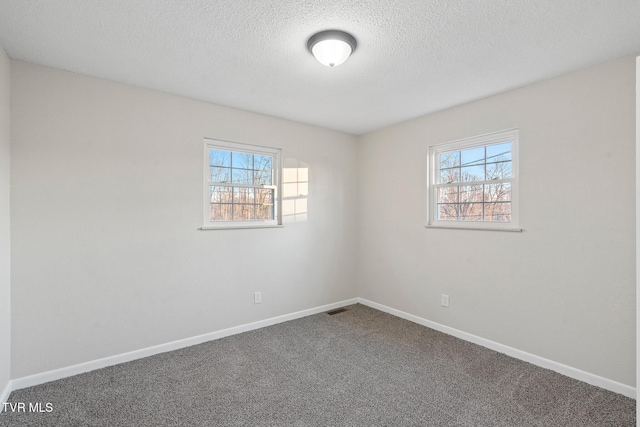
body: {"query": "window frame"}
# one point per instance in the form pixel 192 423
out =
pixel 433 172
pixel 275 153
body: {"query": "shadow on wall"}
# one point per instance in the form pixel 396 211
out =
pixel 295 191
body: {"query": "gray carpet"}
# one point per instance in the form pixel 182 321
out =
pixel 361 367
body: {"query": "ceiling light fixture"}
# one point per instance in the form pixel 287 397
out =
pixel 331 47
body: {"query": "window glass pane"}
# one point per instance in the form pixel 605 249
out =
pixel 472 173
pixel 471 212
pixel 448 194
pixel 448 212
pixel 499 152
pixel 219 157
pixel 220 212
pixel 243 212
pixel 497 192
pixel 264 212
pixel 220 174
pixel 448 176
pixel 241 160
pixel 472 156
pixel 500 170
pixel 470 193
pixel 243 195
pixel 499 212
pixel 221 194
pixel 449 159
pixel 242 176
pixel 262 177
pixel 262 162
pixel 264 196
pixel 264 203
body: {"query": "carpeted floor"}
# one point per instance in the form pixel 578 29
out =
pixel 361 367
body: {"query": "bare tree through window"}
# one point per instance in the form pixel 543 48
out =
pixel 241 184
pixel 474 184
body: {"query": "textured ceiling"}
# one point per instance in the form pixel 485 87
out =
pixel 413 57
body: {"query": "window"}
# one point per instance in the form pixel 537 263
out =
pixel 242 185
pixel 473 183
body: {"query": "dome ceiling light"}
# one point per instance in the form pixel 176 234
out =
pixel 331 47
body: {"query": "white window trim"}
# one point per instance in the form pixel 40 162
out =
pixel 277 179
pixel 433 170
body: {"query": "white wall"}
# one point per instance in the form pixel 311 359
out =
pixel 564 289
pixel 106 204
pixel 5 240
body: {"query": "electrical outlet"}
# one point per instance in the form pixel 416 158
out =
pixel 445 300
pixel 257 297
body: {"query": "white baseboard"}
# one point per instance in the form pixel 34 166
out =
pixel 4 396
pixel 568 371
pixel 57 374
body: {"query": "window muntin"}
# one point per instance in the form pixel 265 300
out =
pixel 242 185
pixel 473 182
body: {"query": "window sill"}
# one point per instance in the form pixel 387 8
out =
pixel 239 227
pixel 461 227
